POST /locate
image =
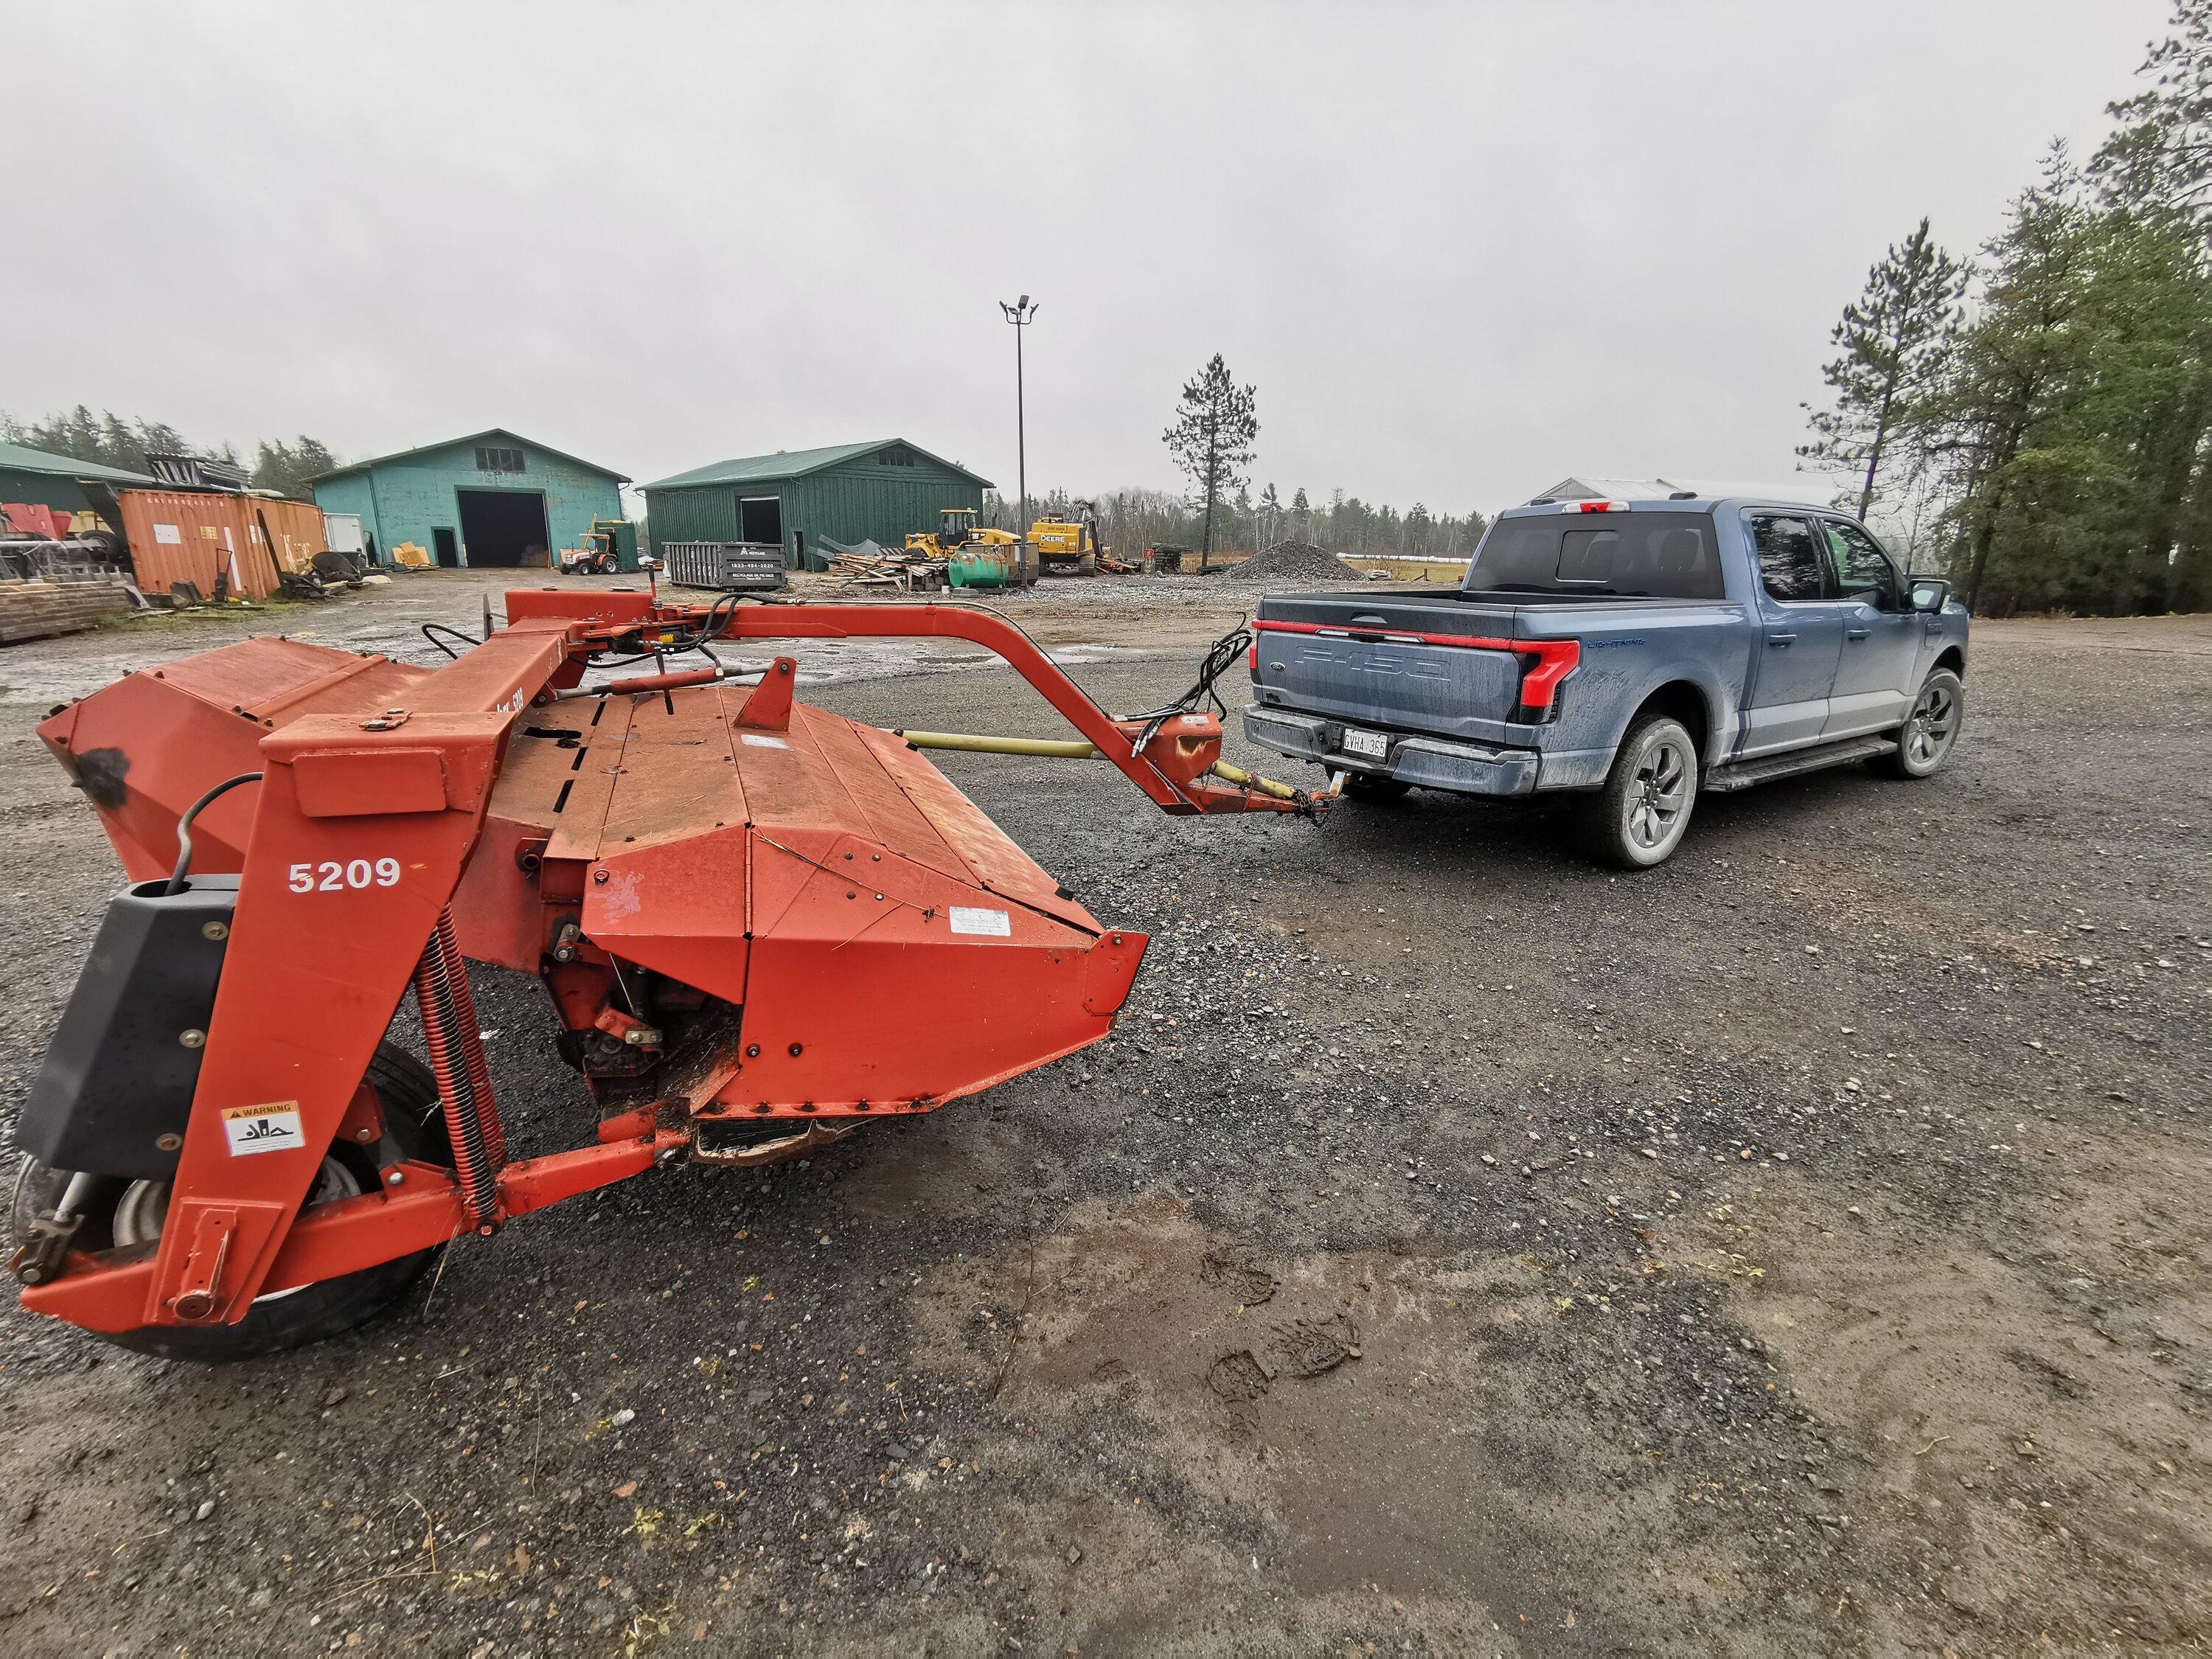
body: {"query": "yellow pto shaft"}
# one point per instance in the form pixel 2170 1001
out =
pixel 1058 748
pixel 1061 749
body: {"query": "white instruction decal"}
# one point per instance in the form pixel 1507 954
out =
pixel 760 742
pixel 168 535
pixel 271 1128
pixel 992 924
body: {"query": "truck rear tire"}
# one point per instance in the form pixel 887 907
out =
pixel 1924 742
pixel 1637 819
pixel 131 1212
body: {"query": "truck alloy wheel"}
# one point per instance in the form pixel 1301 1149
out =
pixel 1637 819
pixel 1924 740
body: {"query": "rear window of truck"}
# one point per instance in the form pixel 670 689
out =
pixel 1639 555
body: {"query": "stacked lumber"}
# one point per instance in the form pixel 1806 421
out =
pixel 908 573
pixel 34 608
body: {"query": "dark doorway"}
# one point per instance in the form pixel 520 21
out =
pixel 760 519
pixel 444 547
pixel 503 528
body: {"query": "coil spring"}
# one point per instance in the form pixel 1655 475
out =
pixel 456 1061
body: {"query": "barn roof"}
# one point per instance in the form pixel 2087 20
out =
pixel 796 463
pixel 471 438
pixel 15 457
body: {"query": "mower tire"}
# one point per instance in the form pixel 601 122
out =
pixel 131 1212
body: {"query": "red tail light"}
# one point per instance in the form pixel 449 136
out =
pixel 1554 660
pixel 1594 507
pixel 1545 663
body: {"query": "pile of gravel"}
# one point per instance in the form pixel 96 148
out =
pixel 1294 561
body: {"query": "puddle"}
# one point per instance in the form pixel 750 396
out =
pixel 1353 1399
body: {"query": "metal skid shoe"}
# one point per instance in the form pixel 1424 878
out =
pixel 750 917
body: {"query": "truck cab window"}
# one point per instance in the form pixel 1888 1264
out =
pixel 1653 556
pixel 1788 557
pixel 1862 569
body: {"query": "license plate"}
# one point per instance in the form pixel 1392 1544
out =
pixel 1373 745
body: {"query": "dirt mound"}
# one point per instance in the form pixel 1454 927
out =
pixel 1293 562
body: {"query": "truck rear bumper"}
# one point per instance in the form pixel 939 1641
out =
pixel 1468 768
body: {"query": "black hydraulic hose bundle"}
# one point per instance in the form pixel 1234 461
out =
pixel 1220 657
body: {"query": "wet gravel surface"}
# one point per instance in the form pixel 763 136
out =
pixel 1456 1247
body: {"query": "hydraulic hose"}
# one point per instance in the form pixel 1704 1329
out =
pixel 185 829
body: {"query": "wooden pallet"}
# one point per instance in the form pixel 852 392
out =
pixel 34 609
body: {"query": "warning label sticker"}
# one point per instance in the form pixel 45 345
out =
pixel 272 1129
pixel 760 741
pixel 992 924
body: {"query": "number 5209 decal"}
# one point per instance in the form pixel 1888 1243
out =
pixel 332 876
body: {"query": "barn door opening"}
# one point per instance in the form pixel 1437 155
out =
pixel 760 519
pixel 503 528
pixel 445 546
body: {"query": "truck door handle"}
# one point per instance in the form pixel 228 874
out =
pixel 1777 642
pixel 1857 633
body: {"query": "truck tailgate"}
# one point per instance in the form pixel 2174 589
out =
pixel 1424 663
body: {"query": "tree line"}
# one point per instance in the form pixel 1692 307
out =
pixel 1212 441
pixel 110 439
pixel 1133 519
pixel 2036 422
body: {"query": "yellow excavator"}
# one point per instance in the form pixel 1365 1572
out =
pixel 1069 546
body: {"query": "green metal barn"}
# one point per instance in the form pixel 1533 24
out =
pixel 849 493
pixel 63 481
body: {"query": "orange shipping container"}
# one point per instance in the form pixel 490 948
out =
pixel 295 531
pixel 193 538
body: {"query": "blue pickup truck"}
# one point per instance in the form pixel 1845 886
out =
pixel 1639 652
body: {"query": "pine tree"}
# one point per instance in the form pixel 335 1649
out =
pixel 1212 441
pixel 2006 383
pixel 286 468
pixel 1892 338
pixel 2161 152
pixel 2157 165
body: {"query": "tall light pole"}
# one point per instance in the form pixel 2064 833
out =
pixel 1019 314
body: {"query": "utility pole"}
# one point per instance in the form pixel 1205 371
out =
pixel 1019 314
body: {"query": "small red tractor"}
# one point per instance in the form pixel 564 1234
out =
pixel 745 912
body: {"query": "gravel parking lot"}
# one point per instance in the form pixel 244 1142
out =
pixel 1459 1247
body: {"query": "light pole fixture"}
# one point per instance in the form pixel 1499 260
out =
pixel 1019 314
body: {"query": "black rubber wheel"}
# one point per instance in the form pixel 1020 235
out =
pixel 414 1129
pixel 1924 742
pixel 1637 819
pixel 1372 787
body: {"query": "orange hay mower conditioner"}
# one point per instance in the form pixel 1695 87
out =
pixel 747 915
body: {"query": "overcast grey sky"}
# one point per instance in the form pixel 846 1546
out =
pixel 1461 250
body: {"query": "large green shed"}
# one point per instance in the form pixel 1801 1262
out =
pixel 63 481
pixel 491 498
pixel 878 491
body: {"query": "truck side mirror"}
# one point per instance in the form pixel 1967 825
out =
pixel 1927 594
